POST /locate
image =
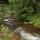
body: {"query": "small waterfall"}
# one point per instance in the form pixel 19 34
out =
pixel 10 23
pixel 26 35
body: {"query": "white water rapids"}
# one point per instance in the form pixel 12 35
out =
pixel 26 35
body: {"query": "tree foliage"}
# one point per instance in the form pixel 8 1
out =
pixel 22 10
pixel 25 8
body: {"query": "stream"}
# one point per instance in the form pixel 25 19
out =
pixel 24 35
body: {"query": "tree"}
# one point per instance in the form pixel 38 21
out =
pixel 25 8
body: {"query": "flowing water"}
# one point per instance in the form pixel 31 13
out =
pixel 24 35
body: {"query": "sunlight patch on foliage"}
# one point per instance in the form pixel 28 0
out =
pixel 37 24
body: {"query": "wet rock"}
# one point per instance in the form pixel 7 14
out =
pixel 10 23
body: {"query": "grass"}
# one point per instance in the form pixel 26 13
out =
pixel 6 34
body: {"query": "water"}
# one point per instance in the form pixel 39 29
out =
pixel 24 35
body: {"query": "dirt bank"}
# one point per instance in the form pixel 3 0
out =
pixel 29 28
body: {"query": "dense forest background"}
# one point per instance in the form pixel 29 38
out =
pixel 21 10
